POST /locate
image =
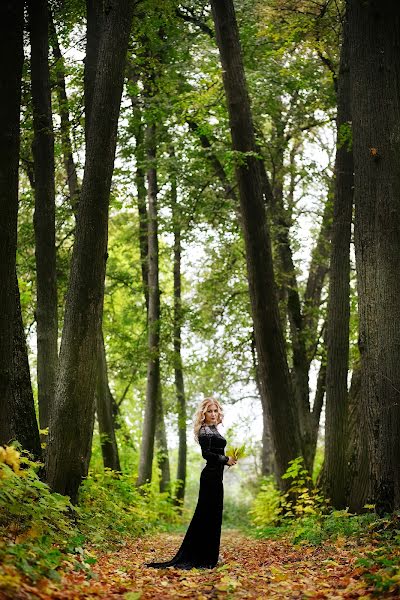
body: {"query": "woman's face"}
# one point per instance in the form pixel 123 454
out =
pixel 211 415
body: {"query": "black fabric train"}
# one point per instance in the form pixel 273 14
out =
pixel 200 546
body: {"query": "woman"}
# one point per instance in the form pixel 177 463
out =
pixel 200 547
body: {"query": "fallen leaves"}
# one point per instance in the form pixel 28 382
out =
pixel 252 569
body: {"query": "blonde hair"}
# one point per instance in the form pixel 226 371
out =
pixel 200 416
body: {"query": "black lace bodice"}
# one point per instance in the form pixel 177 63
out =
pixel 212 445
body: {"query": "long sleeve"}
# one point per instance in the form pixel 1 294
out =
pixel 211 457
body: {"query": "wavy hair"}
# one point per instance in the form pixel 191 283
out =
pixel 200 416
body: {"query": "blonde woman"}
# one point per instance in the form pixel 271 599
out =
pixel 200 546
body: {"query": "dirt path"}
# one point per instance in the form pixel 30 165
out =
pixel 255 569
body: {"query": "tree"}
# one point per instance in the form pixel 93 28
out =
pixel 153 390
pixel 374 32
pixel 273 368
pixel 11 41
pixel 44 217
pixel 104 409
pixel 338 317
pixel 177 333
pixel 69 442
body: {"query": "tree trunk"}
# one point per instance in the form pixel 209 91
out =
pixel 11 46
pixel 273 368
pixel 95 22
pixel 153 367
pixel 142 211
pixel 338 318
pixel 359 478
pixel 25 427
pixel 44 217
pixel 177 329
pixel 69 163
pixel 154 415
pixel 71 425
pixel 104 406
pixel 375 75
pixel 162 445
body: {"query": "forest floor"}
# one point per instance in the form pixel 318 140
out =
pixel 250 568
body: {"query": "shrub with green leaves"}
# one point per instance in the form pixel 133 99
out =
pixel 35 524
pixel 112 507
pixel 39 529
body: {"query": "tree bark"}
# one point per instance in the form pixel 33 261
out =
pixel 274 372
pixel 374 31
pixel 63 109
pixel 162 445
pixel 71 424
pixel 25 427
pixel 95 22
pixel 177 329
pixel 338 318
pixel 44 217
pixel 104 407
pixel 153 367
pixel 11 45
pixel 358 489
pixel 142 211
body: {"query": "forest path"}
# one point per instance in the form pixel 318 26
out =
pixel 251 568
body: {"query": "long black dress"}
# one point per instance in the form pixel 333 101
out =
pixel 200 546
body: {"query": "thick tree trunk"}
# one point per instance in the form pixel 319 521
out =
pixel 11 45
pixel 71 424
pixel 153 367
pixel 267 449
pixel 178 366
pixel 104 407
pixel 338 318
pixel 63 109
pixel 359 490
pixel 95 22
pixel 273 368
pixel 374 32
pixel 44 217
pixel 25 427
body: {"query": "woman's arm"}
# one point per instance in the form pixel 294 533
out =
pixel 208 454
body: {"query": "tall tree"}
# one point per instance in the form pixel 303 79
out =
pixel 24 424
pixel 65 121
pixel 44 217
pixel 338 318
pixel 11 45
pixel 104 409
pixel 273 368
pixel 177 332
pixel 153 391
pixel 374 32
pixel 69 442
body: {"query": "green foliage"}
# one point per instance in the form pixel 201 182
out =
pixel 40 529
pixel 113 508
pixel 302 497
pixel 265 505
pixel 35 524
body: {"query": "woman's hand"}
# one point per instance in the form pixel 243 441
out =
pixel 231 461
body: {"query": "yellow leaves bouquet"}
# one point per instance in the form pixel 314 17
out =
pixel 236 452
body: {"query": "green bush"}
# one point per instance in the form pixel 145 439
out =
pixel 113 508
pixel 40 529
pixel 35 524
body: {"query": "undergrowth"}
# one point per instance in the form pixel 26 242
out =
pixel 305 517
pixel 41 531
